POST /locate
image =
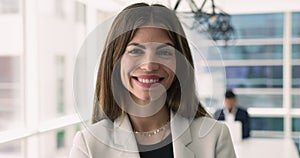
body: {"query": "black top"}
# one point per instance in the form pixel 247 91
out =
pixel 162 149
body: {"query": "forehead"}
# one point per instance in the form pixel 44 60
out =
pixel 229 99
pixel 151 34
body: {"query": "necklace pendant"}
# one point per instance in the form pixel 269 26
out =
pixel 152 133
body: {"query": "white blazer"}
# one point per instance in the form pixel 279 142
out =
pixel 201 138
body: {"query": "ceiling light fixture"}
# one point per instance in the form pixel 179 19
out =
pixel 216 22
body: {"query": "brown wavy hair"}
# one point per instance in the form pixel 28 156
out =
pixel 181 96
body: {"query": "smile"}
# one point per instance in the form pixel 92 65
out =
pixel 147 81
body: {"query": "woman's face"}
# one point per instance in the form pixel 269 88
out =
pixel 148 63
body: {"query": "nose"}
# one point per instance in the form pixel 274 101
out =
pixel 151 66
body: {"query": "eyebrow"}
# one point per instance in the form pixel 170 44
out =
pixel 137 45
pixel 165 45
pixel 143 47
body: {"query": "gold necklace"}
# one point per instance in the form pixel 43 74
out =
pixel 153 132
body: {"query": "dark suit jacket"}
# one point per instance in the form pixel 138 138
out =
pixel 241 115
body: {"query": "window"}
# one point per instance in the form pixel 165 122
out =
pixel 56 58
pixel 57 143
pixel 10 100
pixel 60 139
pixel 256 68
pixel 296 124
pixel 60 9
pixel 9 6
pixel 296 101
pixel 260 101
pixel 296 24
pixel 266 124
pixel 39 46
pixel 296 51
pixel 80 13
pixel 257 26
pixel 60 83
pixel 254 76
pixel 248 52
pixel 296 76
pixel 11 149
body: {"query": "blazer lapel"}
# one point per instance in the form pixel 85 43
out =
pixel 124 138
pixel 181 136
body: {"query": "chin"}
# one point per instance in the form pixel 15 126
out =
pixel 141 98
pixel 145 99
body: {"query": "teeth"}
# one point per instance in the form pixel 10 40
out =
pixel 148 80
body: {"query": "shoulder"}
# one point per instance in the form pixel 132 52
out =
pixel 96 133
pixel 241 110
pixel 103 124
pixel 218 113
pixel 213 135
pixel 92 136
pixel 205 126
pixel 101 130
pixel 219 110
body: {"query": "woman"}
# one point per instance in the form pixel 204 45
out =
pixel 145 102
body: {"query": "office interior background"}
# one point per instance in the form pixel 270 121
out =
pixel 40 41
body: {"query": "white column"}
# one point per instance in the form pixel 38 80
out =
pixel 91 16
pixel 31 82
pixel 287 74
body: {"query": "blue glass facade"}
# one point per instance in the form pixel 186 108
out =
pixel 296 24
pixel 267 124
pixel 258 26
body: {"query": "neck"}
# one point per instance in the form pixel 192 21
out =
pixel 230 110
pixel 144 124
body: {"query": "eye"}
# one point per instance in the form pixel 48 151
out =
pixel 135 52
pixel 166 53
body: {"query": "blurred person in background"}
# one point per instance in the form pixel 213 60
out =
pixel 231 112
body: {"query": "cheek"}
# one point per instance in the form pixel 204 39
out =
pixel 171 76
pixel 126 67
pixel 124 71
pixel 170 65
pixel 170 68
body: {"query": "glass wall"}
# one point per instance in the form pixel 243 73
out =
pixel 267 124
pixel 11 55
pixel 296 100
pixel 256 70
pixel 296 51
pixel 11 149
pixel 254 67
pixel 57 54
pixel 296 76
pixel 258 26
pixel 50 31
pixel 296 124
pixel 10 93
pixel 254 77
pixel 57 143
pixel 260 101
pixel 9 6
pixel 250 52
pixel 296 24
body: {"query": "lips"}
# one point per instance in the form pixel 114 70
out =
pixel 147 80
